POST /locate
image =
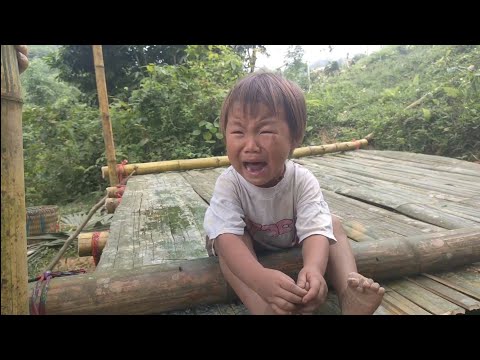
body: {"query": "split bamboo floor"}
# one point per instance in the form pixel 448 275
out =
pixel 377 194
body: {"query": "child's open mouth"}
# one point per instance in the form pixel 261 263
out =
pixel 254 168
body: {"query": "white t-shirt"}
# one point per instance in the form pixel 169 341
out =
pixel 278 217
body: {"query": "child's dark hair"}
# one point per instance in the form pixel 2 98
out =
pixel 276 93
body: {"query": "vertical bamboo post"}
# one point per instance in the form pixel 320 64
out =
pixel 106 124
pixel 13 217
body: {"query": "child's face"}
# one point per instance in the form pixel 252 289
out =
pixel 257 147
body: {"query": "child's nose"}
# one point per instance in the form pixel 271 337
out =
pixel 251 144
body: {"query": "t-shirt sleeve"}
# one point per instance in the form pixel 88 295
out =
pixel 313 214
pixel 224 215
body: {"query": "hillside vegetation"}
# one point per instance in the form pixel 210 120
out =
pixel 422 99
pixel 414 98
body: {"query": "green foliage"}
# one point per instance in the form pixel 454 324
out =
pixel 414 98
pixel 180 105
pixel 249 54
pixel 41 88
pixel 39 51
pixel 124 65
pixel 64 147
pixel 297 70
pixel 62 143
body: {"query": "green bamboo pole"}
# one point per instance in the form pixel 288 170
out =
pixel 106 123
pixel 191 164
pixel 13 217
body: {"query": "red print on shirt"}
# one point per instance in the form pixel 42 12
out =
pixel 281 227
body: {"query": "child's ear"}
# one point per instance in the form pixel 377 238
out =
pixel 292 148
pixel 295 144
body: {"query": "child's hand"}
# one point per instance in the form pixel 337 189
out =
pixel 314 282
pixel 280 291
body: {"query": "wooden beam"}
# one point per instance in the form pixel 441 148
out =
pixel 13 214
pixel 202 163
pixel 183 284
pixel 106 123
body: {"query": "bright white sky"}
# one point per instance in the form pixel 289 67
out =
pixel 312 53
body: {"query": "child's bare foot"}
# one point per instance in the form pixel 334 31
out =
pixel 362 295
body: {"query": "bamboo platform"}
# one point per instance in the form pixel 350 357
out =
pixel 378 195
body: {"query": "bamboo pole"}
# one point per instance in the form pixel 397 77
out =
pixel 106 123
pixel 191 164
pixel 114 191
pixel 179 285
pixel 65 246
pixel 13 214
pixel 111 204
pixel 329 148
pixel 85 243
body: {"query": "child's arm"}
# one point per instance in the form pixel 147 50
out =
pixel 315 251
pixel 238 258
pixel 275 287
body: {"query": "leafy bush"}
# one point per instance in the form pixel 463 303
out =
pixel 180 105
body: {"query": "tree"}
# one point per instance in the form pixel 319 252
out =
pixel 249 53
pixel 39 51
pixel 125 65
pixel 41 88
pixel 295 69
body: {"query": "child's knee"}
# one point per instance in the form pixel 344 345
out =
pixel 336 221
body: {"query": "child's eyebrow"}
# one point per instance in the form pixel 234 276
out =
pixel 267 119
pixel 236 121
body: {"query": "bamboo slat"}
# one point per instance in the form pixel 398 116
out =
pixel 387 195
pixel 400 305
pixel 468 278
pixel 438 163
pixel 352 208
pixel 445 188
pixel 201 183
pixel 385 309
pixel 445 292
pixel 411 168
pixel 455 286
pixel 444 185
pixel 161 225
pixel 426 299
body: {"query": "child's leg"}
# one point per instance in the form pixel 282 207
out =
pixel 254 302
pixel 357 294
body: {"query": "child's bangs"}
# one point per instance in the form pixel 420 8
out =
pixel 253 94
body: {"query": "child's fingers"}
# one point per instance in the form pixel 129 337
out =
pixel 294 288
pixel 302 280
